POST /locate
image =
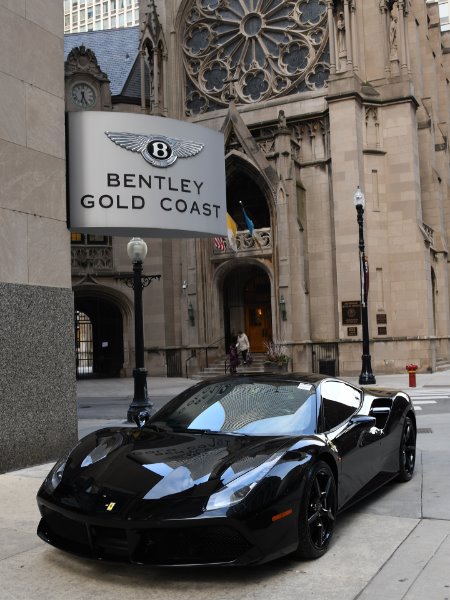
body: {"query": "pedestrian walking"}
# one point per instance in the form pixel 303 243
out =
pixel 233 358
pixel 243 345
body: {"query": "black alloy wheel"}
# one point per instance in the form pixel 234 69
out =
pixel 407 458
pixel 317 512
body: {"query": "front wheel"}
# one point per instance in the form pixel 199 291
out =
pixel 317 512
pixel 407 450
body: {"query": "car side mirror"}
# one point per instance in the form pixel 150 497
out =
pixel 141 418
pixel 368 420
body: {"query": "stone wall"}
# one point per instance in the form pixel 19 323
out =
pixel 38 412
pixel 37 386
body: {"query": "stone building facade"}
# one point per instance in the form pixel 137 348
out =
pixel 37 382
pixel 314 98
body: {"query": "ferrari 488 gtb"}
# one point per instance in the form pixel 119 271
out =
pixel 234 471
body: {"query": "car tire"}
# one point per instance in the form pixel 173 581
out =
pixel 407 451
pixel 317 512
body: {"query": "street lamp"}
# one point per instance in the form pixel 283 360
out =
pixel 366 376
pixel 137 251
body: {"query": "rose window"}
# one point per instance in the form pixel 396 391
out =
pixel 253 50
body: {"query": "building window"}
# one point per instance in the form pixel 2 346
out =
pixel 79 239
pixel 76 238
pixel 276 50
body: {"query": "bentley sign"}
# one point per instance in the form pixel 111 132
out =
pixel 131 173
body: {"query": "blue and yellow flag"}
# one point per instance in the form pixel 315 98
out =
pixel 250 226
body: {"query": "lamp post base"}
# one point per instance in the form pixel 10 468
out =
pixel 366 376
pixel 140 401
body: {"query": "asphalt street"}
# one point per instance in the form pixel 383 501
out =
pixel 394 545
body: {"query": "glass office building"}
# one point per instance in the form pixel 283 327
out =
pixel 93 15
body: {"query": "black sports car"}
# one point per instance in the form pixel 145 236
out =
pixel 234 471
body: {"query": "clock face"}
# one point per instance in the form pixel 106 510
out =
pixel 83 95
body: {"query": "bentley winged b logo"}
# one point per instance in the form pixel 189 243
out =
pixel 158 150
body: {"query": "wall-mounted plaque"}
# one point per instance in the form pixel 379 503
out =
pixel 351 312
pixel 352 331
pixel 382 330
pixel 381 319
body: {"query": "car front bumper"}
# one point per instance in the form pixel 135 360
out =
pixel 201 541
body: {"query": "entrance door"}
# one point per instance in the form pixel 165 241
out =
pixel 101 345
pixel 258 326
pixel 247 306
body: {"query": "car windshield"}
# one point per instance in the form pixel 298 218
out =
pixel 242 407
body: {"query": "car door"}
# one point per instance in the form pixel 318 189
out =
pixel 352 435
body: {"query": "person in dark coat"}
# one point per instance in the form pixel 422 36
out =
pixel 233 358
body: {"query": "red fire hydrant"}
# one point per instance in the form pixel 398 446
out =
pixel 412 374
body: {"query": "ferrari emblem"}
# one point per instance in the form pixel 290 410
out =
pixel 110 506
pixel 158 150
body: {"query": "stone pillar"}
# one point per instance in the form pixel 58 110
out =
pixel 402 36
pixel 354 32
pixel 348 40
pixel 331 37
pixel 385 30
pixel 155 57
pixel 142 66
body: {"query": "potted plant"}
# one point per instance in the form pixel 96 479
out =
pixel 276 356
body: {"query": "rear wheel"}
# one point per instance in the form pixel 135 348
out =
pixel 317 512
pixel 407 458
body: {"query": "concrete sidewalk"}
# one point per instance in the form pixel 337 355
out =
pixel 394 545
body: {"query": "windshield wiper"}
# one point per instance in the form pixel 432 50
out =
pixel 194 430
pixel 158 427
pixel 219 432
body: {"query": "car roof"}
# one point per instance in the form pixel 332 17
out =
pixel 313 378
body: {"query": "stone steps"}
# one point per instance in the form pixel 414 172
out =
pixel 217 368
pixel 442 364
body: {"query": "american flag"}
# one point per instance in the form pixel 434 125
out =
pixel 219 243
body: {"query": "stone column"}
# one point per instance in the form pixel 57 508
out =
pixel 348 40
pixel 331 36
pixel 155 57
pixel 142 65
pixel 385 29
pixel 354 32
pixel 402 40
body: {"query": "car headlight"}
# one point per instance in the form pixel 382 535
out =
pixel 54 477
pixel 239 488
pixel 105 446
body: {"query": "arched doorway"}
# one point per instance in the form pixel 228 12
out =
pixel 247 305
pixel 99 337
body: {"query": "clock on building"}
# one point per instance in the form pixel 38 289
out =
pixel 83 95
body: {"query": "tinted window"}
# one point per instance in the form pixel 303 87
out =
pixel 339 402
pixel 248 407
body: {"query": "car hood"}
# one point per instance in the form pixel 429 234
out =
pixel 152 466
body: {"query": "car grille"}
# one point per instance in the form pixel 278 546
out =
pixel 186 545
pixel 191 545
